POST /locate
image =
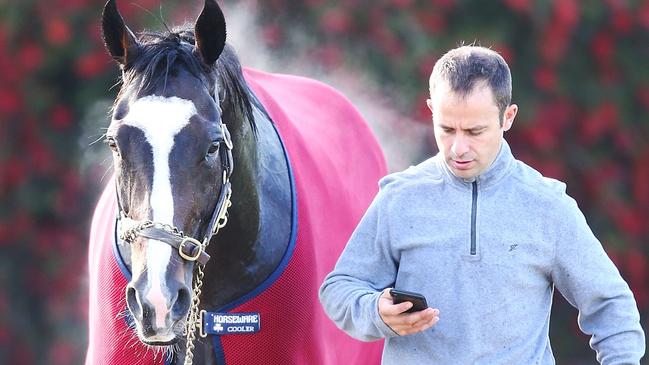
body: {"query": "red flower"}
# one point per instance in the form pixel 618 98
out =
pixel 4 237
pixel 10 101
pixel 643 15
pixel 61 117
pixel 599 122
pixel 13 173
pixel 551 168
pixel 335 20
pixel 567 12
pixel 76 5
pixel 433 22
pixel 630 221
pixel 387 42
pixel 553 43
pixel 30 57
pixel 521 6
pixel 329 55
pixel 21 226
pixel 545 78
pixel 622 21
pixel 624 140
pixel 91 64
pixel 273 35
pixel 603 46
pixel 57 31
pixel 541 138
pixel 41 157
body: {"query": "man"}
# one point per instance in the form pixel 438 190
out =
pixel 484 237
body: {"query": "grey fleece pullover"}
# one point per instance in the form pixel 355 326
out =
pixel 488 253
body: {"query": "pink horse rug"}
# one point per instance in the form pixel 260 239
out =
pixel 336 163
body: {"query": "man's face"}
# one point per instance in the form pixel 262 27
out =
pixel 467 129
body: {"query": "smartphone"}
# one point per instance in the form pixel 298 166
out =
pixel 418 301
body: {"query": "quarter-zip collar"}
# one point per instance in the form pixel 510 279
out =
pixel 501 166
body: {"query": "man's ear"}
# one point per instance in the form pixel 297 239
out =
pixel 429 102
pixel 510 114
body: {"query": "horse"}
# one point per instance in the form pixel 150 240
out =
pixel 234 192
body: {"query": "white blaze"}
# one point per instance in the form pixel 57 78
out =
pixel 160 118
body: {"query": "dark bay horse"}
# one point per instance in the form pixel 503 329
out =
pixel 234 193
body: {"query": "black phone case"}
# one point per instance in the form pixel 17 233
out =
pixel 418 300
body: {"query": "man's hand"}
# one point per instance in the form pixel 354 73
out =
pixel 405 323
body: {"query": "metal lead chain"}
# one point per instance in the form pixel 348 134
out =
pixel 193 320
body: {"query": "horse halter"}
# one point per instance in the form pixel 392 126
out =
pixel 188 248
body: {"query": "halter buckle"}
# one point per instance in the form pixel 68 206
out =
pixel 194 243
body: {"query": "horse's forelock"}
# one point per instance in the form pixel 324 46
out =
pixel 159 53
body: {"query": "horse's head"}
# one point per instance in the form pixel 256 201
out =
pixel 172 162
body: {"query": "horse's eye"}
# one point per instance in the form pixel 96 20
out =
pixel 214 148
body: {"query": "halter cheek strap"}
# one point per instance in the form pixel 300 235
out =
pixel 188 248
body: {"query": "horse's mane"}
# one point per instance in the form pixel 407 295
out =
pixel 158 53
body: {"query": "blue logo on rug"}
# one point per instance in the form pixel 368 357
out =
pixel 231 323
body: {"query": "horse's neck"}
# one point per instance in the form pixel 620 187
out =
pixel 252 244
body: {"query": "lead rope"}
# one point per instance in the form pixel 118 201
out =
pixel 194 318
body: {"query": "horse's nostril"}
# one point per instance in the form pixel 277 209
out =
pixel 132 302
pixel 181 305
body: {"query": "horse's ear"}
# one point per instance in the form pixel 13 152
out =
pixel 120 41
pixel 209 32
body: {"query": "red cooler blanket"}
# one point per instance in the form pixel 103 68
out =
pixel 336 163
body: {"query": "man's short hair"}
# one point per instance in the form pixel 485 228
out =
pixel 463 67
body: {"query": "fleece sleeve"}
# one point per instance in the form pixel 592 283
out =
pixel 589 280
pixel 366 266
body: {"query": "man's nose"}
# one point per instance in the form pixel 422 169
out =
pixel 460 145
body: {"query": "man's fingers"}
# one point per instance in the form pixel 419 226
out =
pixel 405 323
pixel 419 328
pixel 416 322
pixel 400 308
pixel 387 306
pixel 427 322
pixel 422 316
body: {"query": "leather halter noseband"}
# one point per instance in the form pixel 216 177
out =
pixel 188 248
